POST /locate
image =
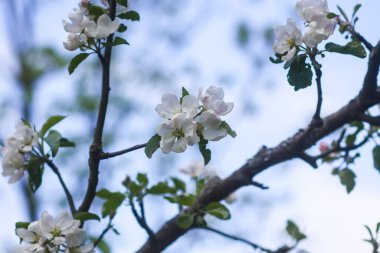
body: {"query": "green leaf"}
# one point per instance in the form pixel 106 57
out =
pixel 356 8
pixel 331 15
pixel 186 199
pixel 102 245
pixel 294 231
pixel 353 48
pixel 117 42
pixel 65 143
pixel 218 210
pixel 179 184
pixel 343 13
pixel 142 179
pixel 83 216
pixel 206 153
pixel 376 157
pixel 53 139
pixel 123 2
pixel 350 139
pixel 152 145
pixel 96 11
pixel 300 73
pixel 113 201
pixel 115 231
pixel 135 189
pixel 22 224
pixel 230 132
pixel 130 15
pixel 184 220
pixel 35 171
pixel 347 178
pixel 74 63
pixel 276 61
pixel 200 185
pixel 52 121
pixel 184 93
pixel 200 221
pixel 161 188
pixel 122 28
pixel 26 123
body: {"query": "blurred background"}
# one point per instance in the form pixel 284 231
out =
pixel 191 44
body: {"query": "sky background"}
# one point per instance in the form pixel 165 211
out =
pixel 194 44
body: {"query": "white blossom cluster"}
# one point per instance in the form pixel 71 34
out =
pixel 190 118
pixel 318 28
pixel 16 151
pixel 83 26
pixel 54 234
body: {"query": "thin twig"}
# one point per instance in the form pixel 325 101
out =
pixel 260 185
pixel 253 245
pixel 108 155
pixel 308 159
pixel 141 218
pixel 104 232
pixel 96 146
pixel 374 121
pixel 55 169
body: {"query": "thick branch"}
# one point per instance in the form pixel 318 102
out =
pixel 121 152
pixel 267 157
pixel 370 81
pixel 96 146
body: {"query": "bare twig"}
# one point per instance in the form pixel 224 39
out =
pixel 108 155
pixel 104 232
pixel 236 238
pixel 317 121
pixel 373 121
pixel 141 218
pixel 96 146
pixel 308 159
pixel 55 169
pixel 259 185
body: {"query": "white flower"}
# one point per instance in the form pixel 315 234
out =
pixel 171 106
pixel 287 38
pixel 194 170
pixel 34 241
pixel 75 242
pixel 319 29
pixel 27 136
pixel 13 164
pixel 307 9
pixel 212 129
pixel 103 27
pixel 56 228
pixel 73 42
pixel 76 25
pixel 177 133
pixel 213 100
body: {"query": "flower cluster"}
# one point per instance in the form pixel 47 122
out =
pixel 83 26
pixel 54 234
pixel 289 37
pixel 189 119
pixel 17 150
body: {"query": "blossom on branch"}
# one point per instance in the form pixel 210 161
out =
pixel 213 101
pixel 287 38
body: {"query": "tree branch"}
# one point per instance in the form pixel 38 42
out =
pixel 104 232
pixel 55 169
pixel 317 121
pixel 373 121
pixel 96 146
pixel 108 155
pixel 370 81
pixel 232 237
pixel 267 157
pixel 141 218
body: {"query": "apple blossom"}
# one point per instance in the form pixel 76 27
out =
pixel 307 9
pixel 177 133
pixel 27 136
pixel 56 228
pixel 194 170
pixel 287 38
pixel 319 29
pixel 76 18
pixel 213 100
pixel 34 241
pixel 102 28
pixel 171 106
pixel 211 127
pixel 73 42
pixel 75 242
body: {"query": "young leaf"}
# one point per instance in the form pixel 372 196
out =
pixel 331 15
pixel 96 11
pixel 218 210
pixel 142 179
pixel 230 132
pixel 65 143
pixel 294 231
pixel 21 224
pixel 356 8
pixel 206 153
pixel 200 221
pixel 123 2
pixel 130 15
pixel 53 139
pixel 83 216
pixel 300 73
pixel 275 61
pixel 184 93
pixel 376 157
pixel 122 28
pixel 52 121
pixel 353 48
pixel 152 145
pixel 179 184
pixel 117 41
pixel 347 178
pixel 113 201
pixel 186 199
pixel 102 245
pixel 74 63
pixel 161 188
pixel 184 220
pixel 35 170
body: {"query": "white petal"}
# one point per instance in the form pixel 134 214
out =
pixel 167 143
pixel 190 106
pixel 179 146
